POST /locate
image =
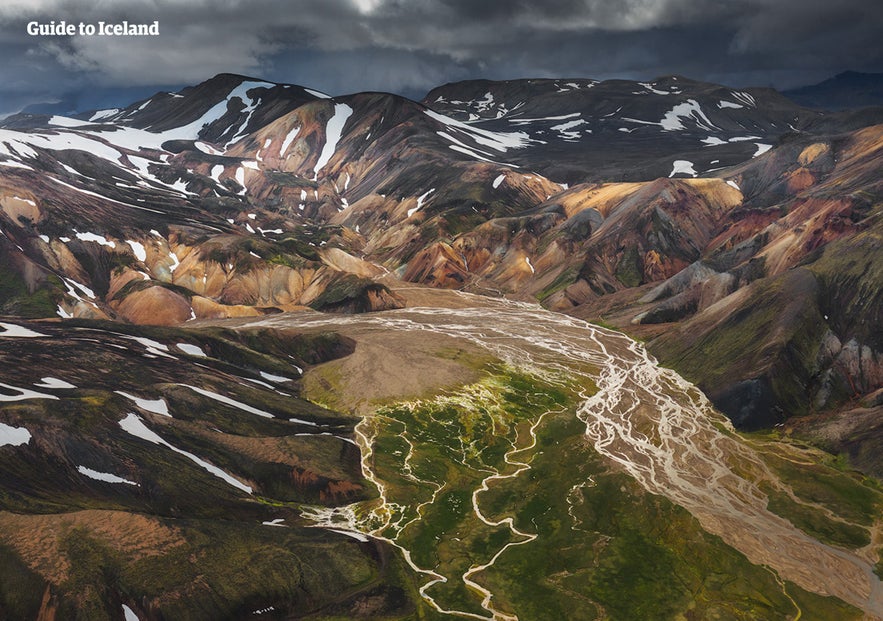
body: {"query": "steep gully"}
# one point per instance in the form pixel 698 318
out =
pixel 645 418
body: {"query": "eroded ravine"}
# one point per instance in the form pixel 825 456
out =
pixel 645 418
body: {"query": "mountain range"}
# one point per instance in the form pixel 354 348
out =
pixel 735 232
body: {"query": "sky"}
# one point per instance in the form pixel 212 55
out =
pixel 410 46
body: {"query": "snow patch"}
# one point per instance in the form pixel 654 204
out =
pixel 228 401
pixel 138 249
pixel 288 140
pixel 13 436
pixel 689 109
pixel 207 148
pixel 66 121
pixel 157 406
pixel 564 129
pixel 761 149
pixel 215 174
pixel 499 141
pixel 103 476
pixel 153 347
pixel 683 167
pixel 103 114
pixel 133 425
pixel 23 393
pixel 745 98
pixel 318 94
pixel 420 200
pixel 17 331
pixel 274 378
pixel 524 121
pixel 498 181
pixel 333 132
pixel 53 382
pixel 99 239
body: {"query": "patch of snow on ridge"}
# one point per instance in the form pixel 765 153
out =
pixel 274 378
pixel 154 348
pixel 745 98
pixel 64 141
pixel 420 200
pixel 498 181
pixel 712 141
pixel 13 436
pixel 191 350
pixel 228 401
pixel 191 130
pixel 128 613
pixel 564 128
pixel 761 148
pixel 318 94
pixel 138 249
pixel 683 167
pixel 73 286
pixel 728 104
pixel 133 425
pixel 207 148
pixel 521 121
pixel 157 406
pixel 651 88
pixel 53 382
pixel 99 239
pixel 499 141
pixel 733 184
pixel 23 394
pixel 103 476
pixel 17 331
pixel 288 140
pixel 690 109
pixel 66 121
pixel 742 138
pixel 103 114
pixel 333 132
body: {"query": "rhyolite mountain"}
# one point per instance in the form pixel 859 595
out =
pixel 850 89
pixel 737 233
pixel 650 205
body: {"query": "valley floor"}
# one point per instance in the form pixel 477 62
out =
pixel 531 465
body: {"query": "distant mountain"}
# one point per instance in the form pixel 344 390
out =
pixel 845 91
pixel 620 130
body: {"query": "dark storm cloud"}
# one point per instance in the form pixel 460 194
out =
pixel 409 46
